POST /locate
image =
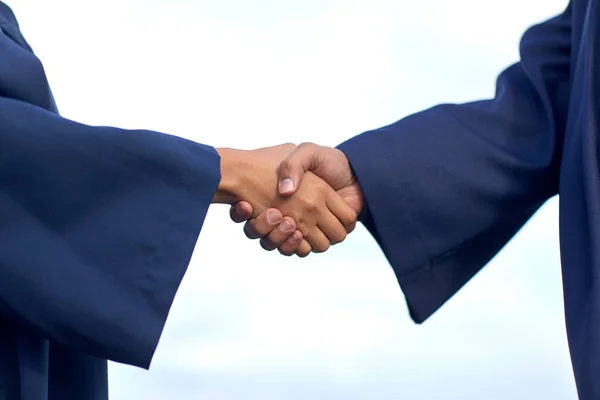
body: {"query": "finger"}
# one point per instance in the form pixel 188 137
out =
pixel 240 212
pixel 262 225
pixel 304 249
pixel 291 245
pixel 280 234
pixel 332 228
pixel 318 241
pixel 342 211
pixel 291 170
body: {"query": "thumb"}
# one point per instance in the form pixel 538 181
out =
pixel 292 169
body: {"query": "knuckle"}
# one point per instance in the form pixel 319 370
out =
pixel 338 237
pixel 320 192
pixel 304 249
pixel 233 214
pixel 306 145
pixel 311 207
pixel 310 202
pixel 261 230
pixel 350 218
pixel 303 228
pixel 350 227
pixel 286 250
pixel 249 230
pixel 262 227
pixel 275 238
pixel 266 244
pixel 321 247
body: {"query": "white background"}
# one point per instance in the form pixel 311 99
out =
pixel 248 324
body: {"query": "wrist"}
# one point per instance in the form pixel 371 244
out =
pixel 232 166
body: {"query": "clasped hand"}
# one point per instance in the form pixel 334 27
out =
pixel 298 199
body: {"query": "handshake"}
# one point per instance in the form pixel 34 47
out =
pixel 297 199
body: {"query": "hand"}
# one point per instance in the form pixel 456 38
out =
pixel 328 163
pixel 283 233
pixel 321 215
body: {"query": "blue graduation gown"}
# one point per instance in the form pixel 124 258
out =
pixel 97 227
pixel 447 188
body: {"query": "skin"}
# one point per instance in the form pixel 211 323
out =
pixel 316 216
pixel 329 164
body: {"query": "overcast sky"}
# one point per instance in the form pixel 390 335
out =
pixel 248 324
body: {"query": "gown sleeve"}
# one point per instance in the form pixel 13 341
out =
pixel 448 187
pixel 97 227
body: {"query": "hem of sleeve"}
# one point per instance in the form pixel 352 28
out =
pixel 167 268
pixel 424 293
pixel 392 226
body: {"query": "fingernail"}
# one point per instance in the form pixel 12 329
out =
pixel 286 226
pixel 273 218
pixel 286 185
pixel 294 238
pixel 239 209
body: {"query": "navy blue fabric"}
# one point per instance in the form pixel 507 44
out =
pixel 448 187
pixel 97 228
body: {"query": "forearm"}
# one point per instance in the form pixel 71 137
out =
pixel 232 166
